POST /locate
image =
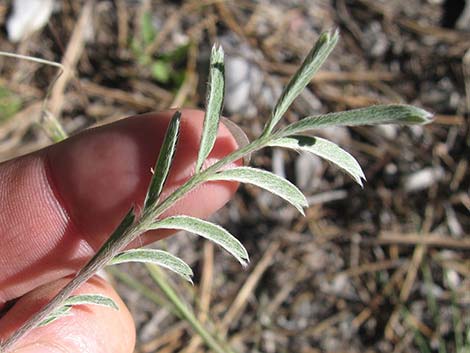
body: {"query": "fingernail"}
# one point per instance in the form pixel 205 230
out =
pixel 39 348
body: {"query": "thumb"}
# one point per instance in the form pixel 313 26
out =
pixel 61 203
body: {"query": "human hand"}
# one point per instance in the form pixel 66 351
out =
pixel 58 206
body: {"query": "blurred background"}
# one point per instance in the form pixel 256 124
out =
pixel 385 268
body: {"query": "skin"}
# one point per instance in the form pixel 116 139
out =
pixel 59 204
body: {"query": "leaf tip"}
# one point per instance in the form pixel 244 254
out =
pixel 244 262
pixel 425 116
pixel 301 206
pixel 217 54
pixel 415 115
pixel 177 115
pixel 360 180
pixel 334 35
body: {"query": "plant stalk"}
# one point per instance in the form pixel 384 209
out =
pixel 113 246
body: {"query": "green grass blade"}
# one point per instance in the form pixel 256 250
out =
pixel 206 230
pixel 158 257
pixel 311 64
pixel 378 114
pixel 164 160
pixel 325 149
pixel 216 345
pixel 266 180
pixel 214 103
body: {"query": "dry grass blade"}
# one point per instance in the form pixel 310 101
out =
pixel 239 303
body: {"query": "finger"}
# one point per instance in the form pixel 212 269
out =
pixel 89 328
pixel 59 204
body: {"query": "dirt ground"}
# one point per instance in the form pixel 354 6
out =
pixel 385 268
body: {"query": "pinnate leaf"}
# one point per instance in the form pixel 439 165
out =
pixel 325 149
pixel 378 114
pixel 214 103
pixel 314 60
pixel 164 160
pixel 206 230
pixel 266 180
pixel 158 257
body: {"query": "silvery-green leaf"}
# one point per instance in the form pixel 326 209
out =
pixel 94 299
pixel 206 230
pixel 378 114
pixel 325 149
pixel 314 60
pixel 158 257
pixel 82 299
pixel 266 180
pixel 164 160
pixel 214 103
pixel 57 314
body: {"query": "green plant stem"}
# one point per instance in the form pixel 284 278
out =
pixel 115 245
pixel 141 288
pixel 184 311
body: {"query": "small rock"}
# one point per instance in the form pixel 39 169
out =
pixel 423 179
pixel 27 17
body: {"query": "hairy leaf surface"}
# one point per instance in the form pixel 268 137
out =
pixel 311 64
pixel 164 160
pixel 378 114
pixel 206 230
pixel 266 180
pixel 158 257
pixel 325 149
pixel 214 103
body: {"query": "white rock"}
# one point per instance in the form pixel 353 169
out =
pixel 27 17
pixel 423 179
pixel 238 76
